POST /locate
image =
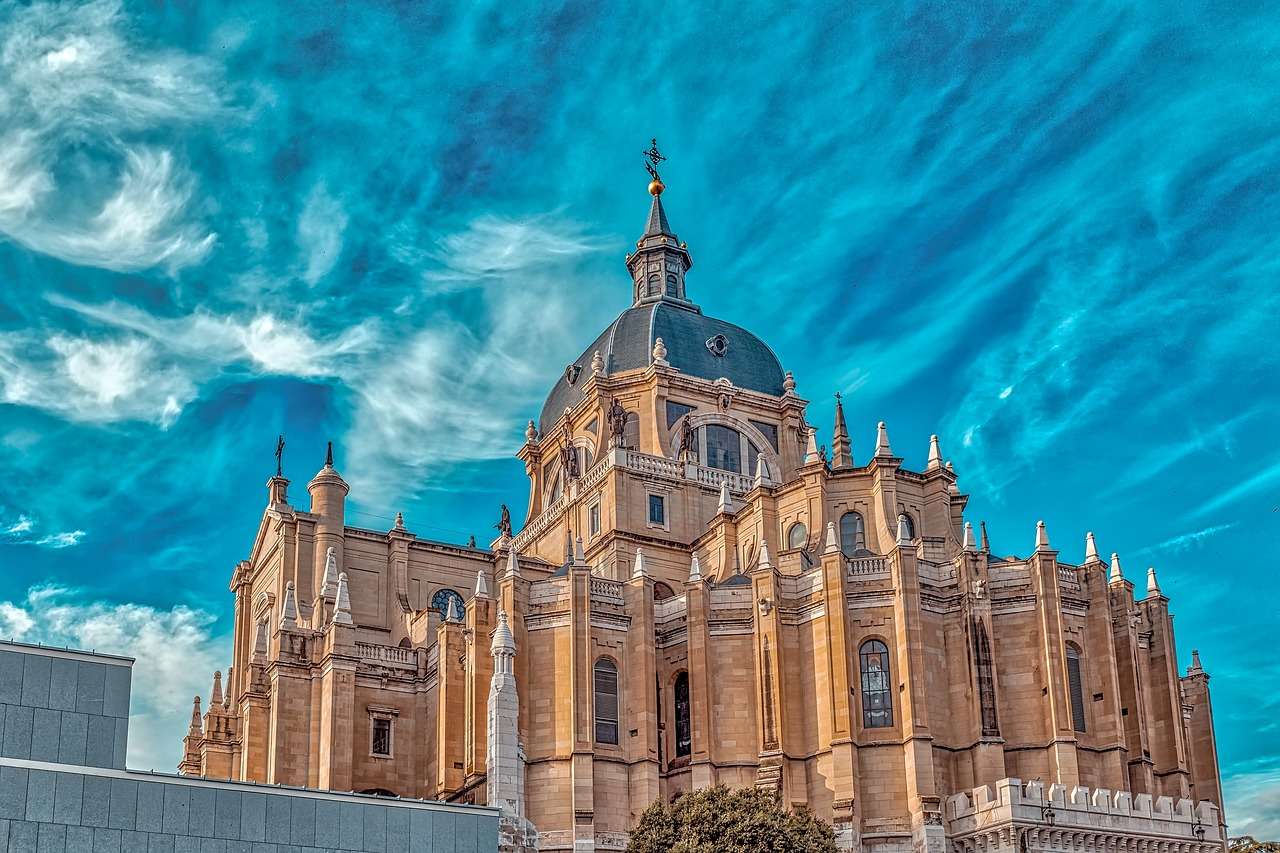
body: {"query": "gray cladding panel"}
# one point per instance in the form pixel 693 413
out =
pixel 10 677
pixel 46 734
pixel 64 674
pixel 35 681
pixel 90 687
pixel 18 722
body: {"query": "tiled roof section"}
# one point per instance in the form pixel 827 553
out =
pixel 627 344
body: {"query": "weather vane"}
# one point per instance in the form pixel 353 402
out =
pixel 652 158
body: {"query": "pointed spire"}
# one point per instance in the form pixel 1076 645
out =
pixel 935 455
pixel 329 587
pixel 503 641
pixel 342 609
pixel 215 695
pixel 638 570
pixel 761 478
pixel 1090 549
pixel 841 457
pixel 904 531
pixel 1195 668
pixel 513 563
pixel 1042 537
pixel 328 455
pixel 882 440
pixel 231 679
pixel 811 449
pixel 832 545
pixel 579 555
pixel 568 546
pixel 1116 576
pixel 726 502
pixel 968 538
pixel 695 569
pixel 260 644
pixel 986 543
pixel 1153 586
pixel 656 225
pixel 482 585
pixel 765 561
pixel 289 609
pixel 195 728
pixel 451 613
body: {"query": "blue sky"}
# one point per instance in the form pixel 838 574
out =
pixel 1045 233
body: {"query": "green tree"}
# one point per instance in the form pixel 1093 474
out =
pixel 718 820
pixel 1249 844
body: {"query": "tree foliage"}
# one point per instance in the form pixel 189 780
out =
pixel 1249 844
pixel 718 820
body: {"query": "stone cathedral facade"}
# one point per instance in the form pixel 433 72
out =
pixel 701 594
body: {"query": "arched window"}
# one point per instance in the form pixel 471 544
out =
pixel 631 431
pixel 672 286
pixel 1075 686
pixel 684 734
pixel 661 592
pixel 724 448
pixel 655 286
pixel 911 524
pixel 798 535
pixel 853 533
pixel 877 700
pixel 606 701
pixel 986 680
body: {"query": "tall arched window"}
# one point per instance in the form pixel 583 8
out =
pixel 684 734
pixel 655 286
pixel 910 522
pixel 606 701
pixel 672 288
pixel 986 680
pixel 877 699
pixel 798 535
pixel 853 533
pixel 724 448
pixel 1075 686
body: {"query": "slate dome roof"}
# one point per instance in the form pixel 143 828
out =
pixel 627 344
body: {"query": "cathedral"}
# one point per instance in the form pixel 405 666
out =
pixel 701 594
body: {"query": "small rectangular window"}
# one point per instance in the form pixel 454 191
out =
pixel 593 519
pixel 381 737
pixel 657 509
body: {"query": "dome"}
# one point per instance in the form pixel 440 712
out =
pixel 690 338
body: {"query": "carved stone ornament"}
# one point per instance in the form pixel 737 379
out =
pixel 718 345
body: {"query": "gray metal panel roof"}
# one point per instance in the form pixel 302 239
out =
pixel 627 344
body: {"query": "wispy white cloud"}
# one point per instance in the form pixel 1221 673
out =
pixel 1186 541
pixel 73 81
pixel 175 649
pixel 1257 483
pixel 24 530
pixel 1253 803
pixel 320 230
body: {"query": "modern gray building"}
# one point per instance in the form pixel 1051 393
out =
pixel 64 787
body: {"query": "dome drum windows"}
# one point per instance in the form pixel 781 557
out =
pixel 853 534
pixel 719 446
pixel 797 536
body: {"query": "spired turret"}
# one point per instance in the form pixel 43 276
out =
pixel 328 503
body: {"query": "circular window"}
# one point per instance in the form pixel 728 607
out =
pixel 718 345
pixel 440 602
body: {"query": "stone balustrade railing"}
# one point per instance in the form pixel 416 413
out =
pixel 644 463
pixel 862 567
pixel 606 591
pixel 1079 811
pixel 387 655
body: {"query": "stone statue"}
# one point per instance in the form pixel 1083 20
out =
pixel 686 443
pixel 504 521
pixel 569 459
pixel 617 417
pixel 471 541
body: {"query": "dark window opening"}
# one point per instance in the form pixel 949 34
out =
pixel 684 737
pixel 606 701
pixel 986 680
pixel 381 737
pixel 877 700
pixel 853 534
pixel 724 448
pixel 769 431
pixel 657 509
pixel 676 411
pixel 1075 686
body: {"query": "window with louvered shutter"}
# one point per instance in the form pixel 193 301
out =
pixel 606 701
pixel 877 700
pixel 1075 685
pixel 986 680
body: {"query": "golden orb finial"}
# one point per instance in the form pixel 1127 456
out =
pixel 656 187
